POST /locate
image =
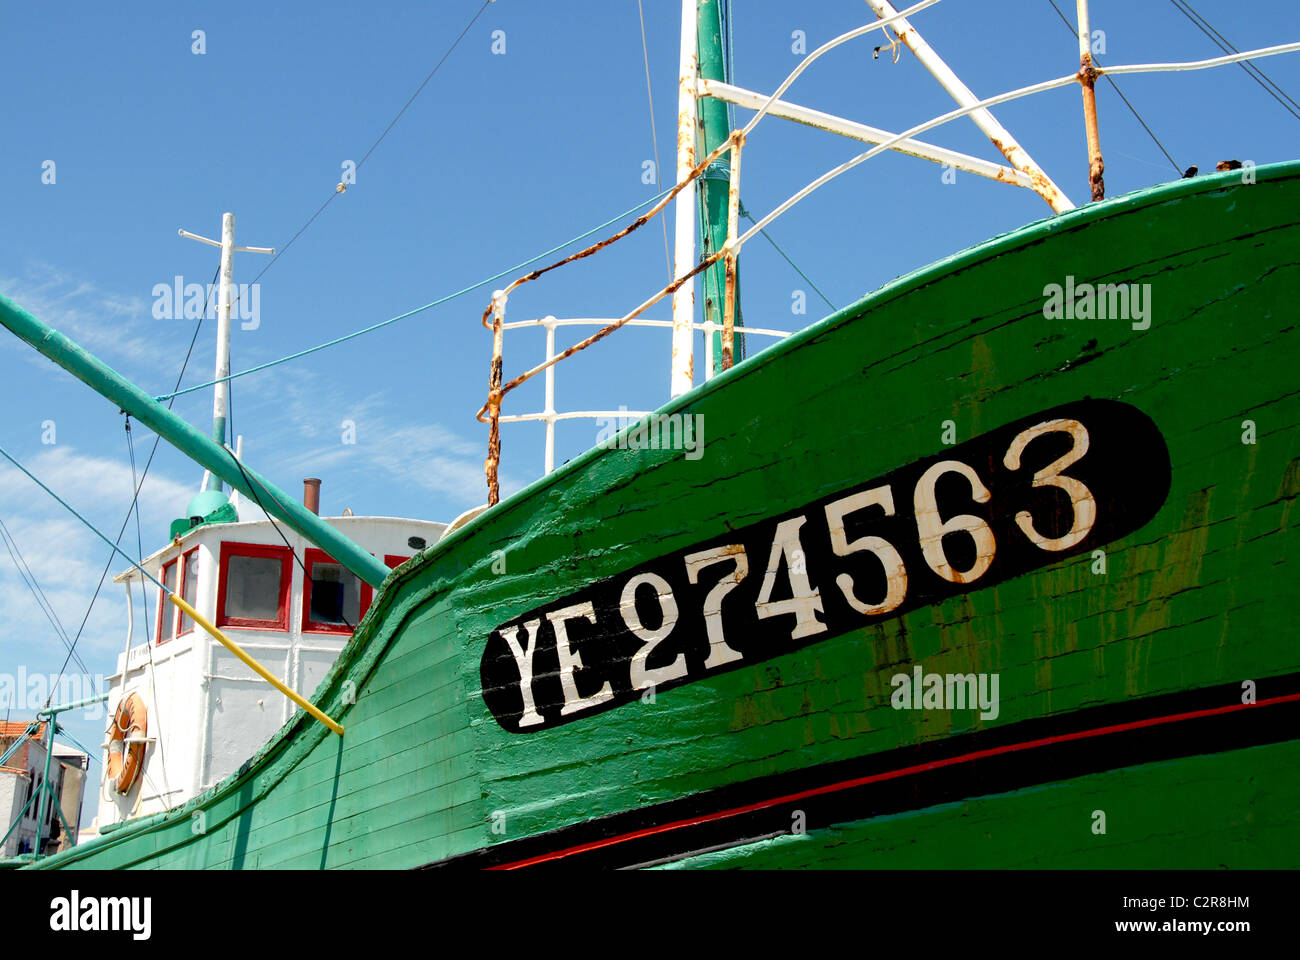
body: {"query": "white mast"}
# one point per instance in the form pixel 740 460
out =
pixel 683 362
pixel 221 391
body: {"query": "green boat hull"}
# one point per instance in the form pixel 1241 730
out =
pixel 1148 674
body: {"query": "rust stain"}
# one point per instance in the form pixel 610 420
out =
pixel 1087 77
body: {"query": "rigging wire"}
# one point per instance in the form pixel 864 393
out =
pixel 139 536
pixel 724 11
pixel 306 577
pixel 1256 74
pixel 745 213
pixel 509 271
pixel 1115 86
pixel 654 136
pixel 136 495
pixel 144 604
pixel 392 123
pixel 62 731
pixel 21 565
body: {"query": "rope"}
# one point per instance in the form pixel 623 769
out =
pixel 144 603
pixel 730 62
pixel 745 213
pixel 411 313
pixel 139 536
pixel 1252 71
pixel 654 136
pixel 20 564
pixel 90 526
pixel 136 494
pixel 341 187
pixel 63 732
pixel 302 564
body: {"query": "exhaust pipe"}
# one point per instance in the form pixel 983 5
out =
pixel 311 494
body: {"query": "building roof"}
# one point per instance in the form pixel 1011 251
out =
pixel 12 729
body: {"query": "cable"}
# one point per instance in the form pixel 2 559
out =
pixel 654 136
pixel 392 123
pixel 139 536
pixel 724 12
pixel 20 563
pixel 63 732
pixel 90 526
pixel 135 497
pixel 1132 109
pixel 306 577
pixel 410 313
pixel 180 582
pixel 745 213
pixel 1256 74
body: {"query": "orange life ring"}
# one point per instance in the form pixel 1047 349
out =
pixel 125 760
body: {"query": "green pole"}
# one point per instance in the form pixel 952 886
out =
pixel 76 705
pixel 45 786
pixel 716 180
pixel 193 443
pixel 51 714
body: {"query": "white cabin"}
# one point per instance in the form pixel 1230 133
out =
pixel 290 606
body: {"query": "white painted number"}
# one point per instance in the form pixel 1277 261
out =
pixel 895 572
pixel 642 676
pixel 806 602
pixel 1085 507
pixel 931 529
pixel 719 652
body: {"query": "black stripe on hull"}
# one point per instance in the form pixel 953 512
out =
pixel 1007 758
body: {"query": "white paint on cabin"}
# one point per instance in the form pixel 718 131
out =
pixel 208 712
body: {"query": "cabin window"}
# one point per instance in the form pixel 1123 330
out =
pixel 189 587
pixel 334 598
pixel 253 590
pixel 166 612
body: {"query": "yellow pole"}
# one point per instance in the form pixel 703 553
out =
pixel 261 670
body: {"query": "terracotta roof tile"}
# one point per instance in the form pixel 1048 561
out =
pixel 10 729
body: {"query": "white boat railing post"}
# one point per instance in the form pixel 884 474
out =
pixel 1016 155
pixel 683 361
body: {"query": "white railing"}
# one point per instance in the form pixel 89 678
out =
pixel 550 416
pixel 1022 172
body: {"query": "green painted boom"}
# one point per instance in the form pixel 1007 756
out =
pixel 107 382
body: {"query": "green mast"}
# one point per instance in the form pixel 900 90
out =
pixel 193 443
pixel 715 181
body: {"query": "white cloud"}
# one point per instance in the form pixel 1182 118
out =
pixel 66 558
pixel 103 322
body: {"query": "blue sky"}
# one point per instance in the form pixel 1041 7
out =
pixel 501 157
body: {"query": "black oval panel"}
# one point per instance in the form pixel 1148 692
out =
pixel 1124 472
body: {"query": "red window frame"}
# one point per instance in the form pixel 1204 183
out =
pixel 284 555
pixel 163 605
pixel 312 556
pixel 180 589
